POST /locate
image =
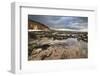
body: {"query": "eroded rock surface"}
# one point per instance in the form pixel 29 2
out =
pixel 60 49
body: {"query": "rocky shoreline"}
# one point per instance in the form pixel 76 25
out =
pixel 69 48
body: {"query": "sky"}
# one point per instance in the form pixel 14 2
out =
pixel 62 22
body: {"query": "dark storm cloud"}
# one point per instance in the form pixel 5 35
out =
pixel 61 22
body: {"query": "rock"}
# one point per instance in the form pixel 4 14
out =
pixel 76 50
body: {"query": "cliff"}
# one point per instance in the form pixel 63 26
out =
pixel 34 25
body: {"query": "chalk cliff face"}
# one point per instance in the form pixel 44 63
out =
pixel 33 25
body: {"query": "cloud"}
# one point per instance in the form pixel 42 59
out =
pixel 68 22
pixel 78 26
